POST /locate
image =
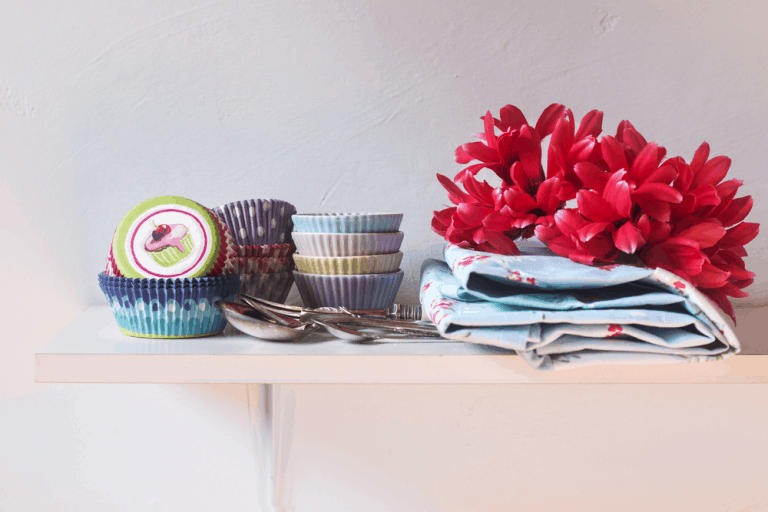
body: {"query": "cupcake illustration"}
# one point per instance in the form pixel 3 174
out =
pixel 169 244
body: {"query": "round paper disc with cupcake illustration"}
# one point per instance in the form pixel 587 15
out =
pixel 167 237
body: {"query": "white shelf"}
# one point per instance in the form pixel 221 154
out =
pixel 92 349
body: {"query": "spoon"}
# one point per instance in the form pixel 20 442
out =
pixel 272 315
pixel 344 333
pixel 244 320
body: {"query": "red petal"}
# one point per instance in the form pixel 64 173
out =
pixel 548 119
pixel 713 172
pixel 628 238
pixel 736 211
pixel 519 201
pixel 706 234
pixel 700 158
pixel 659 231
pixel 658 210
pixel 592 206
pixel 618 194
pixel 727 188
pixel 468 172
pixel 523 221
pixel 512 117
pixel 569 222
pixel 455 194
pixel 591 230
pixel 559 144
pixel 530 153
pixel 481 192
pixel 645 163
pixel 600 247
pixel 719 298
pixel 476 151
pixel 613 154
pixel 495 221
pixel 634 140
pixel 644 226
pixel 734 291
pixel 665 174
pixel 490 134
pixel 547 195
pixel 711 277
pixel 507 147
pixel 684 175
pixel 502 243
pixel 591 124
pixel 591 175
pixel 658 192
pixel 473 214
pixel 740 235
pixel 705 196
pixel 583 150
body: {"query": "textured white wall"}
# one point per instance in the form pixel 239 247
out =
pixel 332 105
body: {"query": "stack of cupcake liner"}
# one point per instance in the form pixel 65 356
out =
pixel 183 307
pixel 168 308
pixel 262 232
pixel 348 260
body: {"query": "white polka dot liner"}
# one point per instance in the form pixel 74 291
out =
pixel 258 221
pixel 168 308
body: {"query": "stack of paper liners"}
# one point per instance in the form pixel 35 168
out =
pixel 348 260
pixel 262 231
pixel 556 313
pixel 168 308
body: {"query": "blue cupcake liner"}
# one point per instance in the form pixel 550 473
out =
pixel 169 308
pixel 365 291
pixel 258 221
pixel 347 222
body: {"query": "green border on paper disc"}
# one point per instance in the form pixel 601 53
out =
pixel 121 235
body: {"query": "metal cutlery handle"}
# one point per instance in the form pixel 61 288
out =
pixel 396 312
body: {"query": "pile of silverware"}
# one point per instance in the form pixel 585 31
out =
pixel 269 320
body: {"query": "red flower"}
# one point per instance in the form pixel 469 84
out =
pixel 518 142
pixel 706 233
pixel 567 148
pixel 491 219
pixel 570 235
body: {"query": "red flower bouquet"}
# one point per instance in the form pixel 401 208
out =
pixel 629 200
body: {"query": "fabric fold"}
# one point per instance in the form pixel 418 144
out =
pixel 556 313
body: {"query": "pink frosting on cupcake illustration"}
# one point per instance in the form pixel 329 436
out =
pixel 165 236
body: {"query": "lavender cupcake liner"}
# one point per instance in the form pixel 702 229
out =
pixel 274 287
pixel 369 291
pixel 258 221
pixel 347 222
pixel 347 244
pixel 168 308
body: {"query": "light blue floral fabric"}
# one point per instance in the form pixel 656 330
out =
pixel 556 313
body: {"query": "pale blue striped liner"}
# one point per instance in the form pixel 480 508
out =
pixel 369 291
pixel 347 222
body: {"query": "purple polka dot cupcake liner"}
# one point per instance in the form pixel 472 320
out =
pixel 366 291
pixel 274 287
pixel 169 308
pixel 258 221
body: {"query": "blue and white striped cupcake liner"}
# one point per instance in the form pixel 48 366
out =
pixel 347 222
pixel 169 308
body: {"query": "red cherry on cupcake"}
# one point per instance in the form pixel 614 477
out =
pixel 160 231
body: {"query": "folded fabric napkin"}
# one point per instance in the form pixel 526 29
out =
pixel 556 313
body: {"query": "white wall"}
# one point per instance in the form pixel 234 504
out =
pixel 332 105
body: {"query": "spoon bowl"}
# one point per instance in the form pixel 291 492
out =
pixel 244 319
